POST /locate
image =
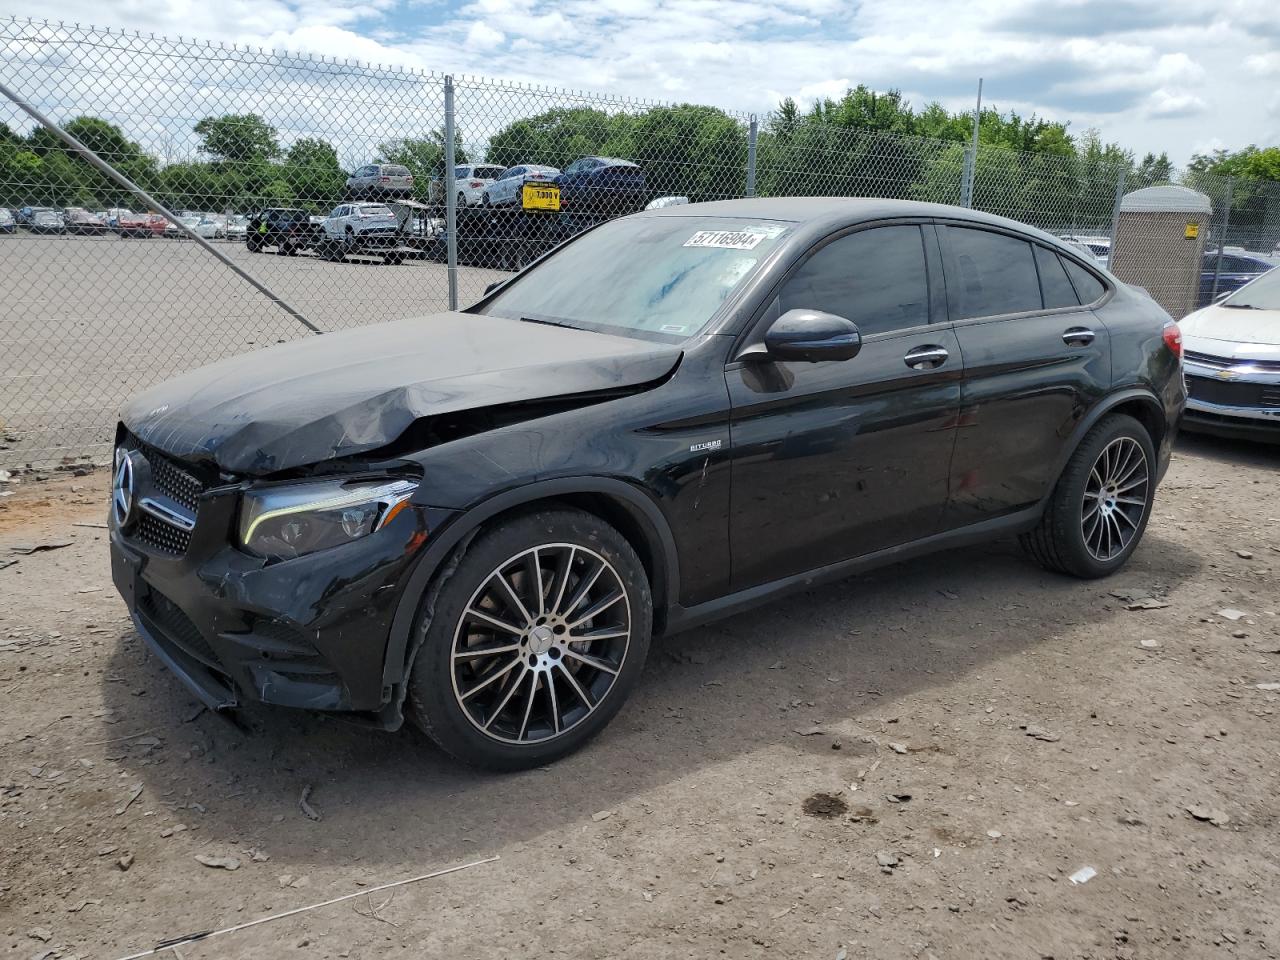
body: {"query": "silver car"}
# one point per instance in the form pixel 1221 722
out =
pixel 507 189
pixel 1231 357
pixel 470 179
pixel 381 180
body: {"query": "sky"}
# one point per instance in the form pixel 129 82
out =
pixel 1183 76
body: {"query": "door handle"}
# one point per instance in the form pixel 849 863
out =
pixel 1078 337
pixel 926 358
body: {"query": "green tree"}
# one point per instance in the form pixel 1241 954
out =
pixel 313 174
pixel 559 136
pixel 238 138
pixel 694 151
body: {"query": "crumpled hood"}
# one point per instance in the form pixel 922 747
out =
pixel 356 390
pixel 1236 328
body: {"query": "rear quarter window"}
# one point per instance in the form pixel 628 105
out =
pixel 1088 287
pixel 1054 282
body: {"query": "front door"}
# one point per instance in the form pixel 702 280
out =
pixel 836 459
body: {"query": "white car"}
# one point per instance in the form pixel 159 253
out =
pixel 1231 358
pixel 363 225
pixel 211 228
pixel 471 179
pixel 189 220
pixel 507 189
pixel 237 227
pixel 1099 248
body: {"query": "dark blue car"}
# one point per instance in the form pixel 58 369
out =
pixel 602 185
pixel 1235 271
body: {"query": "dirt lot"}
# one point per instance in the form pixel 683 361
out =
pixel 909 764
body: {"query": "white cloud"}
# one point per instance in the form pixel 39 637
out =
pixel 483 37
pixel 1174 103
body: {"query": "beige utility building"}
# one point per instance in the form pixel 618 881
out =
pixel 1159 244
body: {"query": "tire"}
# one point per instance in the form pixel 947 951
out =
pixel 1085 530
pixel 462 200
pixel 469 704
pixel 253 243
pixel 485 201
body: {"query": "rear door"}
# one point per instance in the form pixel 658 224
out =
pixel 836 459
pixel 1035 361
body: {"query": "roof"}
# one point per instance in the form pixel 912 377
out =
pixel 1166 199
pixel 834 212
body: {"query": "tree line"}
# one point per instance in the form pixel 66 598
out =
pixel 865 143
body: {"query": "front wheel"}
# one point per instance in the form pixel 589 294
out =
pixel 1099 509
pixel 530 645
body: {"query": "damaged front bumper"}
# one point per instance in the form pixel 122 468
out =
pixel 308 632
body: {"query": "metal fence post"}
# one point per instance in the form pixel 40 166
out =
pixel 971 156
pixel 1222 240
pixel 1115 215
pixel 106 169
pixel 450 194
pixel 753 132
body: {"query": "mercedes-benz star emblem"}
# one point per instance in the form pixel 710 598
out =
pixel 122 491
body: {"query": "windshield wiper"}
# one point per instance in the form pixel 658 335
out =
pixel 1239 306
pixel 549 323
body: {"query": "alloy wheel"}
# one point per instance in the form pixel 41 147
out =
pixel 1115 498
pixel 540 643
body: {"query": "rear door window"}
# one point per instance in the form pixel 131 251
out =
pixel 876 278
pixel 995 274
pixel 1054 282
pixel 1088 287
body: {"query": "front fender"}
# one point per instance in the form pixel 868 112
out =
pixel 463 524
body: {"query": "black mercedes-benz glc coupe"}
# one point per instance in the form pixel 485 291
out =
pixel 480 518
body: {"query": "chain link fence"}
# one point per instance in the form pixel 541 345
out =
pixel 256 194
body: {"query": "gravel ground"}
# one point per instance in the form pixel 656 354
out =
pixel 912 763
pixel 88 322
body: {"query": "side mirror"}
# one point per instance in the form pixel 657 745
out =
pixel 493 286
pixel 812 335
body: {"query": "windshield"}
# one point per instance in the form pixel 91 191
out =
pixel 1261 294
pixel 657 278
pixel 375 210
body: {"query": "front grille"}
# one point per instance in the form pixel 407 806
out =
pixel 1230 393
pixel 174 482
pixel 161 536
pixel 166 618
pixel 1223 363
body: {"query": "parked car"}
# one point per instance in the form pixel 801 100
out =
pixel 7 223
pixel 470 179
pixel 188 220
pixel 41 220
pixel 130 224
pixel 237 227
pixel 481 517
pixel 1236 269
pixel 1232 363
pixel 1096 248
pixel 287 229
pixel 602 185
pixel 211 227
pixel 80 221
pixel 362 225
pixel 380 181
pixel 507 188
pixel 657 203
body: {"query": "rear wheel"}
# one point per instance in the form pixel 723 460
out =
pixel 532 643
pixel 462 199
pixel 1099 509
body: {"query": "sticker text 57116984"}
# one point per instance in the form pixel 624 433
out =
pixel 726 239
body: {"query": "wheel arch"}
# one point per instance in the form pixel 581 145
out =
pixel 616 502
pixel 1138 403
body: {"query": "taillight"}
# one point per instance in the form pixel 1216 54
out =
pixel 477 183
pixel 384 179
pixel 1173 339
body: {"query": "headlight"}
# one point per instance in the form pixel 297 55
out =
pixel 288 521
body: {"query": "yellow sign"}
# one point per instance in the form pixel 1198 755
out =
pixel 540 196
pixel 1193 231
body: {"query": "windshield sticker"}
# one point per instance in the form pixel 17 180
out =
pixel 673 328
pixel 725 239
